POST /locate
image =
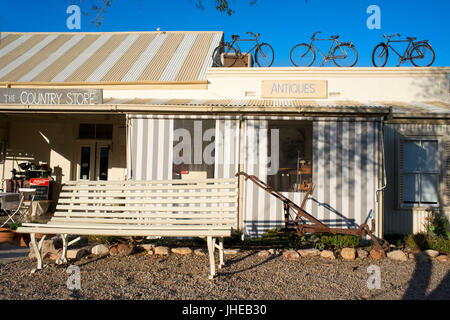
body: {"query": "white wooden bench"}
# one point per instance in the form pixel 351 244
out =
pixel 169 208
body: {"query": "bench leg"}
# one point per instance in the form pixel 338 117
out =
pixel 220 247
pixel 37 250
pixel 64 252
pixel 211 247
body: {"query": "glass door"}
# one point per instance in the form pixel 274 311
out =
pixel 93 160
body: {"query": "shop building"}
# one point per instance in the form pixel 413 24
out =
pixel 148 105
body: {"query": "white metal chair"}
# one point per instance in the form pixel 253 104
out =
pixel 22 209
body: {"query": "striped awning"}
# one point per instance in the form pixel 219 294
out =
pixel 106 57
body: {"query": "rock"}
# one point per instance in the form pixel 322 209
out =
pixel 431 253
pixel 100 250
pixel 148 247
pixel 264 254
pixel 150 252
pixel 122 249
pixel 328 254
pixel 274 251
pixel 348 253
pixel 164 251
pixel 397 255
pixel 76 253
pixel 199 252
pixel 362 253
pixel 377 254
pixel 230 251
pixel 291 255
pixel 442 258
pixel 308 252
pixel 56 256
pixel 420 257
pixel 183 251
pixel 48 248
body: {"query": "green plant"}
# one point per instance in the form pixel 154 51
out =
pixel 15 225
pixel 424 241
pixel 338 240
pixel 102 239
pixel 437 225
pixel 396 239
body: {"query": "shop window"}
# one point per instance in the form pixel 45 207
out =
pixel 295 156
pixel 95 131
pixel 193 149
pixel 419 172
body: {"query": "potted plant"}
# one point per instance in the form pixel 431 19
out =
pixel 22 238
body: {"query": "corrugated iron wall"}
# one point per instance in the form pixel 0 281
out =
pixel 406 220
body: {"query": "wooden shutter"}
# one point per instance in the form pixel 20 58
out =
pixel 447 173
pixel 400 174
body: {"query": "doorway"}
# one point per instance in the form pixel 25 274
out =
pixel 94 158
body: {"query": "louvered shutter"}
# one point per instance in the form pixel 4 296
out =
pixel 400 174
pixel 447 173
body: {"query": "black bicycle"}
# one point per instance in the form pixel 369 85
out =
pixel 343 54
pixel 420 53
pixel 263 56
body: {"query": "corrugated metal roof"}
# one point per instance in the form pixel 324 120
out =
pixel 398 107
pixel 106 57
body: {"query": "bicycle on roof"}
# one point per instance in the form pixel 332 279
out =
pixel 420 53
pixel 263 55
pixel 343 54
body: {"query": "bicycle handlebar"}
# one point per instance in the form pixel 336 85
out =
pixel 391 35
pixel 315 34
pixel 255 35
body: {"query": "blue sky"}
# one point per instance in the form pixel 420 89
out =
pixel 281 23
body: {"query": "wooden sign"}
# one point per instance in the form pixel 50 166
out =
pixel 33 96
pixel 301 89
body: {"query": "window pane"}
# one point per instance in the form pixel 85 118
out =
pixel 87 131
pixel 412 155
pixel 410 188
pixel 103 131
pixel 103 170
pixel 431 163
pixel 85 163
pixel 429 188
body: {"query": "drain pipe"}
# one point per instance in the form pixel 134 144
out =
pixel 379 191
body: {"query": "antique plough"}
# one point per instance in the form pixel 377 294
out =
pixel 316 226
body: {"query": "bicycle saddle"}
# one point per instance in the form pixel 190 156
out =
pixel 411 38
pixel 335 37
pixel 234 37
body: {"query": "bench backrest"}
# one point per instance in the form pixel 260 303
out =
pixel 206 202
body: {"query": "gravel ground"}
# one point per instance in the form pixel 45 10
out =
pixel 246 276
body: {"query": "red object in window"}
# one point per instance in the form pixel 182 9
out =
pixel 39 181
pixel 184 171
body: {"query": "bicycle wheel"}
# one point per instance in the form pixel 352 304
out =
pixel 422 55
pixel 302 55
pixel 346 54
pixel 380 55
pixel 222 52
pixel 264 55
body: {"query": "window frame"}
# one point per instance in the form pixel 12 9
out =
pixel 402 172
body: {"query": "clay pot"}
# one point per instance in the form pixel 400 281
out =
pixel 7 235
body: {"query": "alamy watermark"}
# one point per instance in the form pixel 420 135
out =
pixel 374 20
pixel 74 280
pixel 73 21
pixel 374 280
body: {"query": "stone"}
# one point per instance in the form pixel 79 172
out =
pixel 182 251
pixel 328 254
pixel 48 248
pixel 348 253
pixel 420 257
pixel 148 247
pixel 397 255
pixel 274 251
pixel 308 252
pixel 377 254
pixel 160 250
pixel 122 249
pixel 199 252
pixel 56 256
pixel 443 258
pixel 100 250
pixel 431 253
pixel 76 253
pixel 291 255
pixel 230 251
pixel 362 253
pixel 264 254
